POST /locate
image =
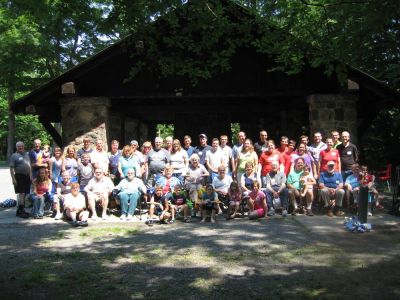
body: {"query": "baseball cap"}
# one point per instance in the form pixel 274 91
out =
pixel 203 135
pixel 134 142
pixel 330 163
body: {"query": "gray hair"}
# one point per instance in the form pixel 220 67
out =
pixel 19 143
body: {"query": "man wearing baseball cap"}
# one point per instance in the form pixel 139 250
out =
pixel 331 188
pixel 202 148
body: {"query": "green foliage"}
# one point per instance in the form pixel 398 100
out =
pixel 164 130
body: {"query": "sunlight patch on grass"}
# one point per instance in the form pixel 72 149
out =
pixel 204 284
pixel 108 232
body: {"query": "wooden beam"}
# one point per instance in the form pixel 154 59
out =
pixel 52 131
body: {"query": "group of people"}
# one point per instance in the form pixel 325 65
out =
pixel 175 179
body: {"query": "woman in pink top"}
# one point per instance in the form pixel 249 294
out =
pixel 257 202
pixel 41 187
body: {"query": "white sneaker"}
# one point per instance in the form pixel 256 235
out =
pixel 129 218
pixel 104 217
pixel 284 213
pixel 58 216
pixel 271 212
pixel 122 217
pixel 369 214
pixel 94 218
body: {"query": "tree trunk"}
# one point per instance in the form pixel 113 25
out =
pixel 11 124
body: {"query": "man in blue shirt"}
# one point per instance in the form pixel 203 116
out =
pixel 331 187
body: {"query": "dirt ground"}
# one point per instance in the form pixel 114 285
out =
pixel 280 258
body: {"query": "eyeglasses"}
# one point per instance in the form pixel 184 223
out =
pixel 98 172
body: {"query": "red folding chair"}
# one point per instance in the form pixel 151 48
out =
pixel 385 175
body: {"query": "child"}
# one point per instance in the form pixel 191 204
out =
pixel 369 180
pixel 75 206
pixel 46 157
pixel 257 202
pixel 178 201
pixel 307 182
pixel 209 203
pixel 158 206
pixel 235 196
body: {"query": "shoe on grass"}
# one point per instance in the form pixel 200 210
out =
pixel 58 216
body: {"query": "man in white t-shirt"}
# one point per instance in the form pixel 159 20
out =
pixel 214 158
pixel 99 157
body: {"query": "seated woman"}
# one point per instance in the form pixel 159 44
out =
pixel 248 178
pixel 209 203
pixel 158 206
pixel 41 186
pixel 130 189
pixel 167 181
pixel 75 206
pixel 195 178
pixel 177 201
pixel 257 202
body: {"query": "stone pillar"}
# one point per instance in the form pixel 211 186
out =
pixel 328 112
pixel 84 116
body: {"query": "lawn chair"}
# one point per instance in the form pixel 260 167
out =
pixel 385 175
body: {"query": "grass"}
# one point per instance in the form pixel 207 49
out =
pixel 104 232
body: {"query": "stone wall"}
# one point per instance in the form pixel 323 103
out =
pixel 84 116
pixel 333 112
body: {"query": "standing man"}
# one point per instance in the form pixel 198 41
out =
pixel 336 139
pixel 157 160
pixel 202 148
pixel 229 162
pixel 99 157
pixel 284 145
pixel 214 159
pixel 113 158
pixel 35 156
pixel 238 147
pixel 187 141
pixel 348 155
pixel 262 143
pixel 316 148
pixel 85 149
pixel 21 174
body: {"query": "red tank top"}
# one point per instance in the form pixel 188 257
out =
pixel 42 188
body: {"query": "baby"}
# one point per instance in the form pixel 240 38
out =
pixel 307 181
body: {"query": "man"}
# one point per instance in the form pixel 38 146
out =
pixel 287 156
pixel 238 147
pixel 63 189
pixel 214 158
pixel 229 162
pixel 336 139
pixel 21 175
pixel 276 189
pixel 187 141
pixel 262 143
pixel 85 149
pixel 202 148
pixel 113 158
pixel 99 189
pixel 35 156
pixel 316 148
pixel 284 145
pixel 331 187
pixel 99 157
pixel 157 159
pixel 348 155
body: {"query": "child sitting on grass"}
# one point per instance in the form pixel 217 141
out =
pixel 177 202
pixel 235 196
pixel 210 203
pixel 75 206
pixel 257 202
pixel 158 206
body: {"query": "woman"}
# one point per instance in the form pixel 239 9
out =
pixel 266 159
pixel 247 154
pixel 56 163
pixel 70 163
pixel 167 181
pixel 41 186
pixel 146 147
pixel 195 177
pixel 248 178
pixel 303 153
pixel 126 162
pixel 130 189
pixel 179 160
